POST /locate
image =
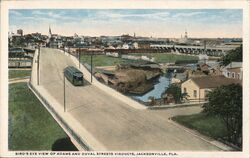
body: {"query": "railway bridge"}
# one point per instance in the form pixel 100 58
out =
pixel 195 50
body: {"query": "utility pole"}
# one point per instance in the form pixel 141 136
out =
pixel 205 51
pixel 91 67
pixel 64 101
pixel 38 66
pixel 79 56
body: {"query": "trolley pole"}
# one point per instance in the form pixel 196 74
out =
pixel 91 66
pixel 38 66
pixel 64 94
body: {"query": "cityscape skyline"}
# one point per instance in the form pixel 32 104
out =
pixel 164 23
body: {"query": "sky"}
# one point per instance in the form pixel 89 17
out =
pixel 167 23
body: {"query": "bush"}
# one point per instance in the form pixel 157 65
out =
pixel 226 102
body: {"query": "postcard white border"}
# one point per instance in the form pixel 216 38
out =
pixel 128 4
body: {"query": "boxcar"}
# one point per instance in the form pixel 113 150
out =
pixel 74 75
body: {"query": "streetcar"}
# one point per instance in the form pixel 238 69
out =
pixel 74 75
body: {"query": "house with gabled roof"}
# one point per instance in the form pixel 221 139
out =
pixel 198 88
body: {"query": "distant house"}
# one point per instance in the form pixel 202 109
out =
pixel 179 77
pixel 203 68
pixel 115 54
pixel 233 70
pixel 135 45
pixel 125 46
pixel 198 88
pixel 111 47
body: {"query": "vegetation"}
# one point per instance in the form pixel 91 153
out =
pixel 175 91
pixel 212 126
pixel 226 103
pixel 31 127
pixel 19 42
pixel 233 55
pixel 19 73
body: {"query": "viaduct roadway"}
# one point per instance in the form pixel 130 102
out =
pixel 112 123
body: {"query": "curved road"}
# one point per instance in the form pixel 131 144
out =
pixel 113 123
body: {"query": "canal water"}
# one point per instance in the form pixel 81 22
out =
pixel 159 87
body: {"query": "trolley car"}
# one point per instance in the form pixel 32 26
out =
pixel 74 75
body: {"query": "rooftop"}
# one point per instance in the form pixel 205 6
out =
pixel 234 65
pixel 214 81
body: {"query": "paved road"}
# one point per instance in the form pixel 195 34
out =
pixel 115 124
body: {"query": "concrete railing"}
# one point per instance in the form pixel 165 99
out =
pixel 60 119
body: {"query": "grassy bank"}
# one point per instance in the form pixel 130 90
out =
pixel 19 73
pixel 211 126
pixel 170 58
pixel 31 127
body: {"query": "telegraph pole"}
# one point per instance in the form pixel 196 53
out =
pixel 64 101
pixel 205 50
pixel 91 67
pixel 38 62
pixel 79 56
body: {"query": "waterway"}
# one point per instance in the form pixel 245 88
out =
pixel 159 87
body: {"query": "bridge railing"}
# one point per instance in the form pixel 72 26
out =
pixel 76 137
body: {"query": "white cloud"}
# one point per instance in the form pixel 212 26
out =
pixel 157 15
pixel 187 14
pixel 51 15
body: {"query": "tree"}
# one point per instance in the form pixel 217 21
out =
pixel 233 55
pixel 175 91
pixel 226 102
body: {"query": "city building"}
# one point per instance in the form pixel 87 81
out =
pixel 179 77
pixel 233 70
pixel 20 32
pixel 125 46
pixel 135 45
pixel 184 40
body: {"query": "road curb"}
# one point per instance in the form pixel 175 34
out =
pixel 207 139
pixel 174 106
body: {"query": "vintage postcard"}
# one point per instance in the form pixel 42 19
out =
pixel 124 79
